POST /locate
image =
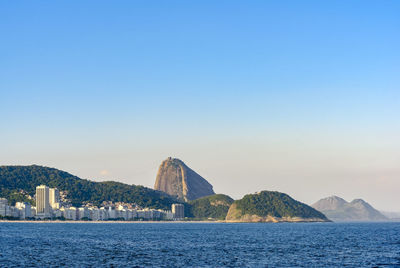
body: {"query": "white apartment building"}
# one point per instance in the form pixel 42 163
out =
pixel 97 214
pixel 83 213
pixel 112 213
pixel 103 214
pixel 71 213
pixel 24 210
pixel 4 208
pixel 54 198
pixel 57 213
pixel 168 215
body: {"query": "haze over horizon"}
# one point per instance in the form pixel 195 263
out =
pixel 297 97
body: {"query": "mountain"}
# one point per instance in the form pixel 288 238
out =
pixel 268 206
pixel 330 203
pixel 17 183
pixel 213 206
pixel 338 209
pixel 177 179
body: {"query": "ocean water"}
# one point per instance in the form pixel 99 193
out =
pixel 200 244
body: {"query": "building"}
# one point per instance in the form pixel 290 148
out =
pixel 42 201
pixel 100 215
pixel 94 214
pixel 54 198
pixel 14 212
pixel 48 202
pixel 58 213
pixel 71 213
pixel 33 211
pixel 168 215
pixel 112 214
pixel 123 212
pixel 132 214
pixel 179 211
pixel 24 210
pixel 83 213
pixel 4 208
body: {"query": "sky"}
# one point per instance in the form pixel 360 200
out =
pixel 301 97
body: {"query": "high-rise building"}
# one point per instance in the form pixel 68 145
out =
pixel 42 201
pixel 24 209
pixel 179 211
pixel 4 208
pixel 54 198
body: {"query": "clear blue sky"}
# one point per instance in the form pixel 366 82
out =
pixel 297 96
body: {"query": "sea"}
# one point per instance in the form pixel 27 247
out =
pixel 199 244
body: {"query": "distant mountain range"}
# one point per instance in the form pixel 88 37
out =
pixel 178 180
pixel 177 183
pixel 338 209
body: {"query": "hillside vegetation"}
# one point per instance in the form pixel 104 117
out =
pixel 213 206
pixel 17 179
pixel 271 206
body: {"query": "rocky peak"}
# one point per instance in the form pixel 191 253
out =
pixel 329 203
pixel 177 179
pixel 360 201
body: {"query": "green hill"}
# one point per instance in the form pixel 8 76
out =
pixel 213 206
pixel 17 182
pixel 270 206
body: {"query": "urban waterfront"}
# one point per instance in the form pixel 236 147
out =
pixel 51 206
pixel 200 244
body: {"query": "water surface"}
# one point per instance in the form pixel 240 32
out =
pixel 200 244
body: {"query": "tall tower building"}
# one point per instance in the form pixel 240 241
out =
pixel 179 211
pixel 42 201
pixel 54 198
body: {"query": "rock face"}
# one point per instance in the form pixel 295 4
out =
pixel 177 179
pixel 338 209
pixel 267 206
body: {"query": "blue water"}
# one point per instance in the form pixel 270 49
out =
pixel 200 244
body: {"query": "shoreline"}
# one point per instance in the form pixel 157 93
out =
pixel 166 222
pixel 24 221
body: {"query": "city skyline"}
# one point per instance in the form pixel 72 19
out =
pixel 301 98
pixel 49 207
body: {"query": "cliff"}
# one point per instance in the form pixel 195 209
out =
pixel 177 179
pixel 267 206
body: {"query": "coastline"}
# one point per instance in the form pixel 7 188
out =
pixel 126 222
pixel 163 222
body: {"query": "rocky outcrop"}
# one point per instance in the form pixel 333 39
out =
pixel 177 179
pixel 267 206
pixel 338 209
